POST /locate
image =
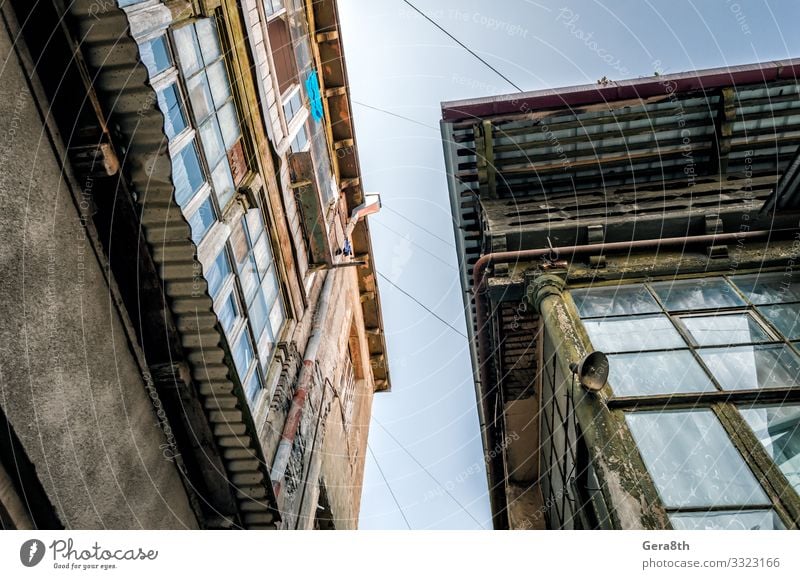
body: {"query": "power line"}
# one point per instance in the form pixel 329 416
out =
pixel 433 255
pixel 388 486
pixel 464 46
pixel 423 306
pixel 390 113
pixel 428 231
pixel 422 466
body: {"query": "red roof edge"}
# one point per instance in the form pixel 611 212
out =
pixel 642 88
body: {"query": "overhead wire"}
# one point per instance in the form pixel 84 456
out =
pixel 388 486
pixel 423 306
pixel 462 45
pixel 422 466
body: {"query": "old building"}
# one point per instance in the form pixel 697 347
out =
pixel 191 328
pixel 656 221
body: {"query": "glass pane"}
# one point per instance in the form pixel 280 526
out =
pixel 265 348
pixel 300 141
pixel 633 334
pixel 172 109
pixel 218 79
pixel 239 243
pixel 249 278
pixel 785 318
pixel 255 227
pixel 209 41
pixel 778 429
pixel 223 183
pixel 769 288
pixel 257 313
pixel 212 141
pixel 697 294
pixel 752 367
pixel 243 353
pixel 229 124
pixel 692 461
pixel 200 95
pixel 726 329
pixel 276 317
pixel 253 387
pixel 186 174
pixel 272 6
pixel 269 286
pixel 229 312
pixel 765 520
pixel 188 51
pixel 263 255
pixel 614 301
pixel 218 273
pixel 155 55
pixel 651 373
pixel 292 106
pixel 202 220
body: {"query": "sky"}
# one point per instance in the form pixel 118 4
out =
pixel 425 462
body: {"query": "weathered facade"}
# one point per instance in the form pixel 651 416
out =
pixel 656 221
pixel 191 325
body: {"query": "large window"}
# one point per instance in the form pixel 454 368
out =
pixel 213 108
pixel 244 284
pixel 201 123
pixel 698 335
pixel 683 353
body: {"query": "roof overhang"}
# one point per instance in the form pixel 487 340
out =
pixel 638 88
pixel 326 42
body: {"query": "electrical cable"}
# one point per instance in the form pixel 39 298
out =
pixel 388 486
pixel 455 500
pixel 462 45
pixel 423 306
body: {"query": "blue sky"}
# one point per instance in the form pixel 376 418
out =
pixel 425 432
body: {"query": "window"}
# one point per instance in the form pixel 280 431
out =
pixel 172 107
pixel 292 105
pixel 300 142
pixel 778 429
pixel 705 342
pixel 155 55
pixel 682 470
pixel 729 345
pixel 211 98
pixel 186 174
pixel 347 387
pixel 218 273
pixel 273 6
pixel 202 125
pixel 699 474
pixel 280 42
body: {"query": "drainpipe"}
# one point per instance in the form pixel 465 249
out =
pixel 479 279
pixel 292 423
pixel 306 514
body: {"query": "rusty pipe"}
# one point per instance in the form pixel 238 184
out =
pixel 485 261
pixel 479 270
pixel 292 423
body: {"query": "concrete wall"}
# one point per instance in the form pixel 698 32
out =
pixel 69 383
pixel 345 447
